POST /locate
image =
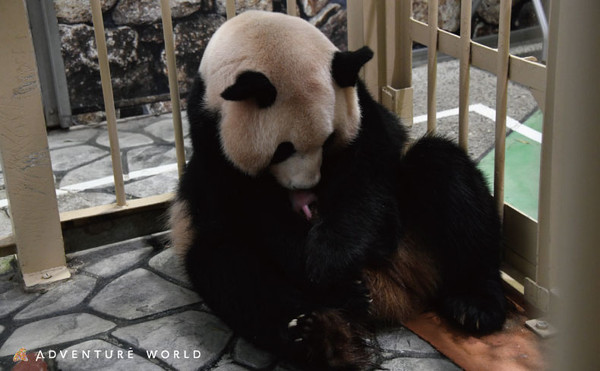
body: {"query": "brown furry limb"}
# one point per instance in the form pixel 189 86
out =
pixel 331 341
pixel 404 286
pixel 180 222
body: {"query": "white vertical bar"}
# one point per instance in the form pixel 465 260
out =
pixel 230 8
pixel 432 23
pixel 25 155
pixel 173 86
pixel 569 234
pixel 372 33
pixel 356 37
pixel 401 74
pixel 109 102
pixel 501 102
pixel 292 9
pixel 464 74
pixel 381 46
pixel 402 71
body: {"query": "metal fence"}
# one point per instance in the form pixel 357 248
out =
pixel 385 25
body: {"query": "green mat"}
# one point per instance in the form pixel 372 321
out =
pixel 522 168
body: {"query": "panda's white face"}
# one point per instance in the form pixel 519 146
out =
pixel 271 78
pixel 281 131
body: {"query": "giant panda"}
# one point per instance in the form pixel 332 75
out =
pixel 305 218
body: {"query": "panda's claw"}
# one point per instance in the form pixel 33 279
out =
pixel 293 323
pixel 301 327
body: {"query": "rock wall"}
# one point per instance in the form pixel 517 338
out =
pixel 485 20
pixel 136 48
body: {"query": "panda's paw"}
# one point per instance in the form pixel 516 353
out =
pixel 300 327
pixel 328 340
pixel 477 314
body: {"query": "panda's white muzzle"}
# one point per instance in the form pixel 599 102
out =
pixel 299 171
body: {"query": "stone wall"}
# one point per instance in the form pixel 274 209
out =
pixel 136 48
pixel 485 20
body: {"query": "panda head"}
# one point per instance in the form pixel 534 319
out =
pixel 283 91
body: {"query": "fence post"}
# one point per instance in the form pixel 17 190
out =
pixel 109 101
pixel 374 23
pixel 230 8
pixel 432 48
pixel 51 69
pixel 501 102
pixel 569 233
pixel 292 9
pixel 25 154
pixel 398 95
pixel 169 38
pixel 464 74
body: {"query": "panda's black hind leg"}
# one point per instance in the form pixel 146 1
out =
pixel 330 341
pixel 445 201
pixel 479 309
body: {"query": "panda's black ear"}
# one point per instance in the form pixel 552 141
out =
pixel 345 65
pixel 251 85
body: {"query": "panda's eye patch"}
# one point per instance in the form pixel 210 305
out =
pixel 283 152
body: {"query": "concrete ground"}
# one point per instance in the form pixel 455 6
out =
pixel 132 299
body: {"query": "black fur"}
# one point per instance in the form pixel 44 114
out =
pixel 283 152
pixel 345 65
pixel 252 85
pixel 444 199
pixel 258 264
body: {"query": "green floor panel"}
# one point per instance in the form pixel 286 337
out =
pixel 535 121
pixel 522 169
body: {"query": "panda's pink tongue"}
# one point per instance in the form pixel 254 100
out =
pixel 301 201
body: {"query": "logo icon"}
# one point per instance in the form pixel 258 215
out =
pixel 21 355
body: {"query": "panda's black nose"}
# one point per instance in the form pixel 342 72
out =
pixel 283 152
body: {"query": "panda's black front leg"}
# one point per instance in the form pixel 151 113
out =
pixel 335 273
pixel 339 245
pixel 330 259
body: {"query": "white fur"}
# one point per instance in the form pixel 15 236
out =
pixel 299 171
pixel 296 57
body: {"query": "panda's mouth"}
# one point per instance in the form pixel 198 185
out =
pixel 305 202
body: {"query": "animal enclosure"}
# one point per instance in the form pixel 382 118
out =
pixel 532 251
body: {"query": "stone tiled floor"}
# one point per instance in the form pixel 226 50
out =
pixel 128 306
pixel 82 164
